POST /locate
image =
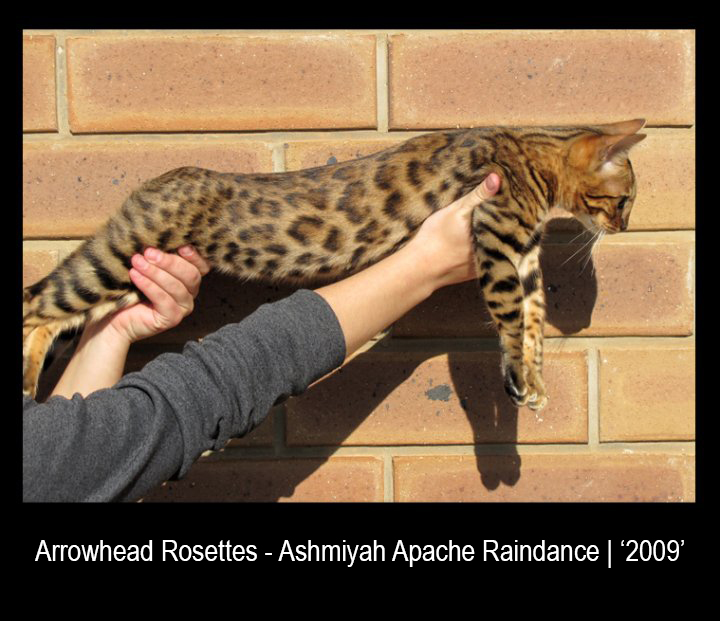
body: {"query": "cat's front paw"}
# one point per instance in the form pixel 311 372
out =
pixel 537 395
pixel 515 383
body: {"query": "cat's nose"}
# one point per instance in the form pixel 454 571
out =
pixel 623 225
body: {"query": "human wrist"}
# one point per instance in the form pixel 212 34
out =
pixel 104 336
pixel 421 269
pixel 438 265
pixel 98 361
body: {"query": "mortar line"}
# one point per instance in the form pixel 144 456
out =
pixel 649 236
pixel 691 284
pixel 61 100
pixel 249 135
pixel 383 97
pixel 388 477
pixel 456 450
pixel 279 430
pixel 62 246
pixel 593 397
pixel 662 236
pixel 252 133
pixel 278 157
pixel 437 345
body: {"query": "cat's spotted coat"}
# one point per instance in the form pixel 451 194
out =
pixel 333 220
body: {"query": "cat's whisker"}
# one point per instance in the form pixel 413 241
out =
pixel 580 249
pixel 557 346
pixel 594 242
pixel 594 251
pixel 580 234
pixel 572 255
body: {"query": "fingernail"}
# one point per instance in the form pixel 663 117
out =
pixel 492 182
pixel 186 251
pixel 152 255
pixel 139 262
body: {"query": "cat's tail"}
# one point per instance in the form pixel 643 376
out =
pixel 85 287
pixel 36 343
pixel 93 281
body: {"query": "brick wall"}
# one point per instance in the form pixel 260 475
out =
pixel 419 416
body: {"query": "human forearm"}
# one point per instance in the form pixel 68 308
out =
pixel 440 254
pixel 98 362
pixel 368 302
pixel 116 444
pixel 170 283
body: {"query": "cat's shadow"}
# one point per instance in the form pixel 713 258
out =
pixel 571 292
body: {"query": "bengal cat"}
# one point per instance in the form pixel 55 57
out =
pixel 333 220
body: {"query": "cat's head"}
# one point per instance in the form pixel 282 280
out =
pixel 601 189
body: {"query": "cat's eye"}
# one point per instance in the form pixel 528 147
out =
pixel 622 202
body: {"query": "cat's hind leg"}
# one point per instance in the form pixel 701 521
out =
pixel 37 341
pixel 44 320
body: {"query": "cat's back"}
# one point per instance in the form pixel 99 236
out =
pixel 324 220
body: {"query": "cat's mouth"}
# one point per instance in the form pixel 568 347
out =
pixel 609 228
pixel 588 222
pixel 593 226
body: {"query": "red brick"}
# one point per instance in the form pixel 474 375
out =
pixel 647 394
pixel 222 300
pixel 37 264
pixel 39 107
pixel 636 289
pixel 404 398
pixel 650 298
pixel 665 167
pixel 644 289
pixel 541 77
pixel 546 478
pixel 337 479
pixel 301 154
pixel 214 83
pixel 71 188
pixel 262 436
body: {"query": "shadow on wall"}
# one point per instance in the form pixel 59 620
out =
pixel 332 412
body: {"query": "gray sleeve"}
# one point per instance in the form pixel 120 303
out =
pixel 120 442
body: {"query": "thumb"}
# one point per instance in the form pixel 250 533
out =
pixel 488 188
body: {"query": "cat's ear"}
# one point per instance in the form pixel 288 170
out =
pixel 593 152
pixel 623 128
pixel 617 147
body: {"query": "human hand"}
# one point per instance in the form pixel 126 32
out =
pixel 441 253
pixel 170 282
pixel 445 238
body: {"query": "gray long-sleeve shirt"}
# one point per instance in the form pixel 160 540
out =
pixel 120 442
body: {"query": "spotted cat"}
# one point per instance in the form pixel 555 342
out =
pixel 333 220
